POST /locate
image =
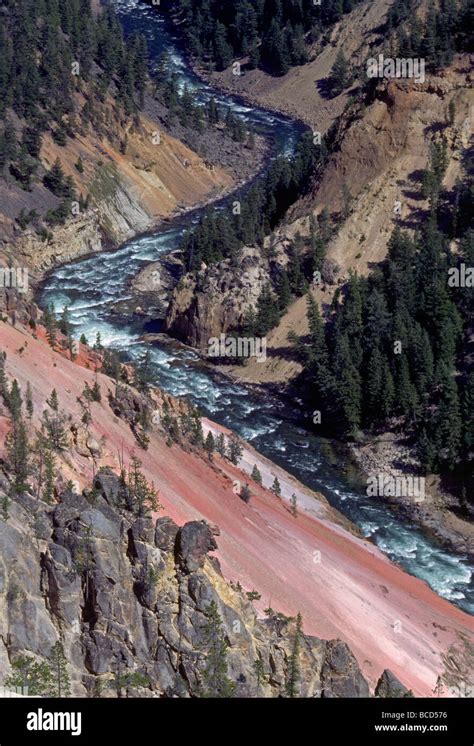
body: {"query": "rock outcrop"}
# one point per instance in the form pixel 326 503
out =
pixel 127 597
pixel 216 299
pixel 390 687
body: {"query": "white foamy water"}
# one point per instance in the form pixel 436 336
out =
pixel 90 287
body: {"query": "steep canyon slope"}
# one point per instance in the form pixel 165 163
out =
pixel 313 564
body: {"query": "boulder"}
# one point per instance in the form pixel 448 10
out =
pixel 340 674
pixel 388 686
pixel 194 541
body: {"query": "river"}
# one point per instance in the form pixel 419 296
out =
pixel 91 286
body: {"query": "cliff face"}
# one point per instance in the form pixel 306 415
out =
pixel 299 93
pixel 128 192
pixel 140 604
pixel 374 175
pixel 315 563
pixel 215 300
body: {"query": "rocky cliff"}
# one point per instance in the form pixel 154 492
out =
pixel 315 563
pixel 139 603
pixel 371 181
pixel 128 194
pixel 216 299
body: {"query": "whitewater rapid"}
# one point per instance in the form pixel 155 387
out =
pixel 91 287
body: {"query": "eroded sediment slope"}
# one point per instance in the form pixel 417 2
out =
pixel 343 586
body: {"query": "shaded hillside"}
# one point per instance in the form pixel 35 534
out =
pixel 272 35
pixel 88 154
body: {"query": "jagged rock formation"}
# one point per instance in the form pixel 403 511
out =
pixel 390 687
pixel 126 197
pixel 261 545
pixel 127 596
pixel 215 300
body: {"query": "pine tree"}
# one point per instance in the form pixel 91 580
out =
pixel 54 423
pixel 294 673
pixel 15 401
pixel 276 487
pixel 29 401
pixel 268 315
pixel 274 49
pixel 125 680
pixel 16 442
pixel 245 493
pixel 468 414
pixel 212 112
pixel 254 57
pixel 197 433
pixel 50 324
pixel 3 378
pixel 143 372
pixel 61 681
pixel 215 680
pixel 55 179
pixel 448 426
pixel 317 372
pixel 283 291
pixel 426 451
pixel 210 446
pixel 49 463
pixel 221 446
pixel 294 505
pixel 98 347
pixel 17 447
pixel 141 495
pixel 222 50
pixel 256 475
pixel 406 397
pixel 374 384
pixel 64 323
pixel 30 678
pixel 340 76
pixel 234 450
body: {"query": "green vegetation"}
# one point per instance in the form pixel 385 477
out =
pixel 234 450
pixel 182 108
pixel 256 475
pixel 54 422
pixel 222 234
pixel 340 76
pixel 294 674
pixel 62 684
pixel 16 441
pixel 276 487
pixel 210 446
pixel 215 680
pixel 51 51
pixel 271 34
pixel 41 678
pixel 393 353
pixel 443 32
pixel 140 495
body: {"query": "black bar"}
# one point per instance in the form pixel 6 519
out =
pixel 156 721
